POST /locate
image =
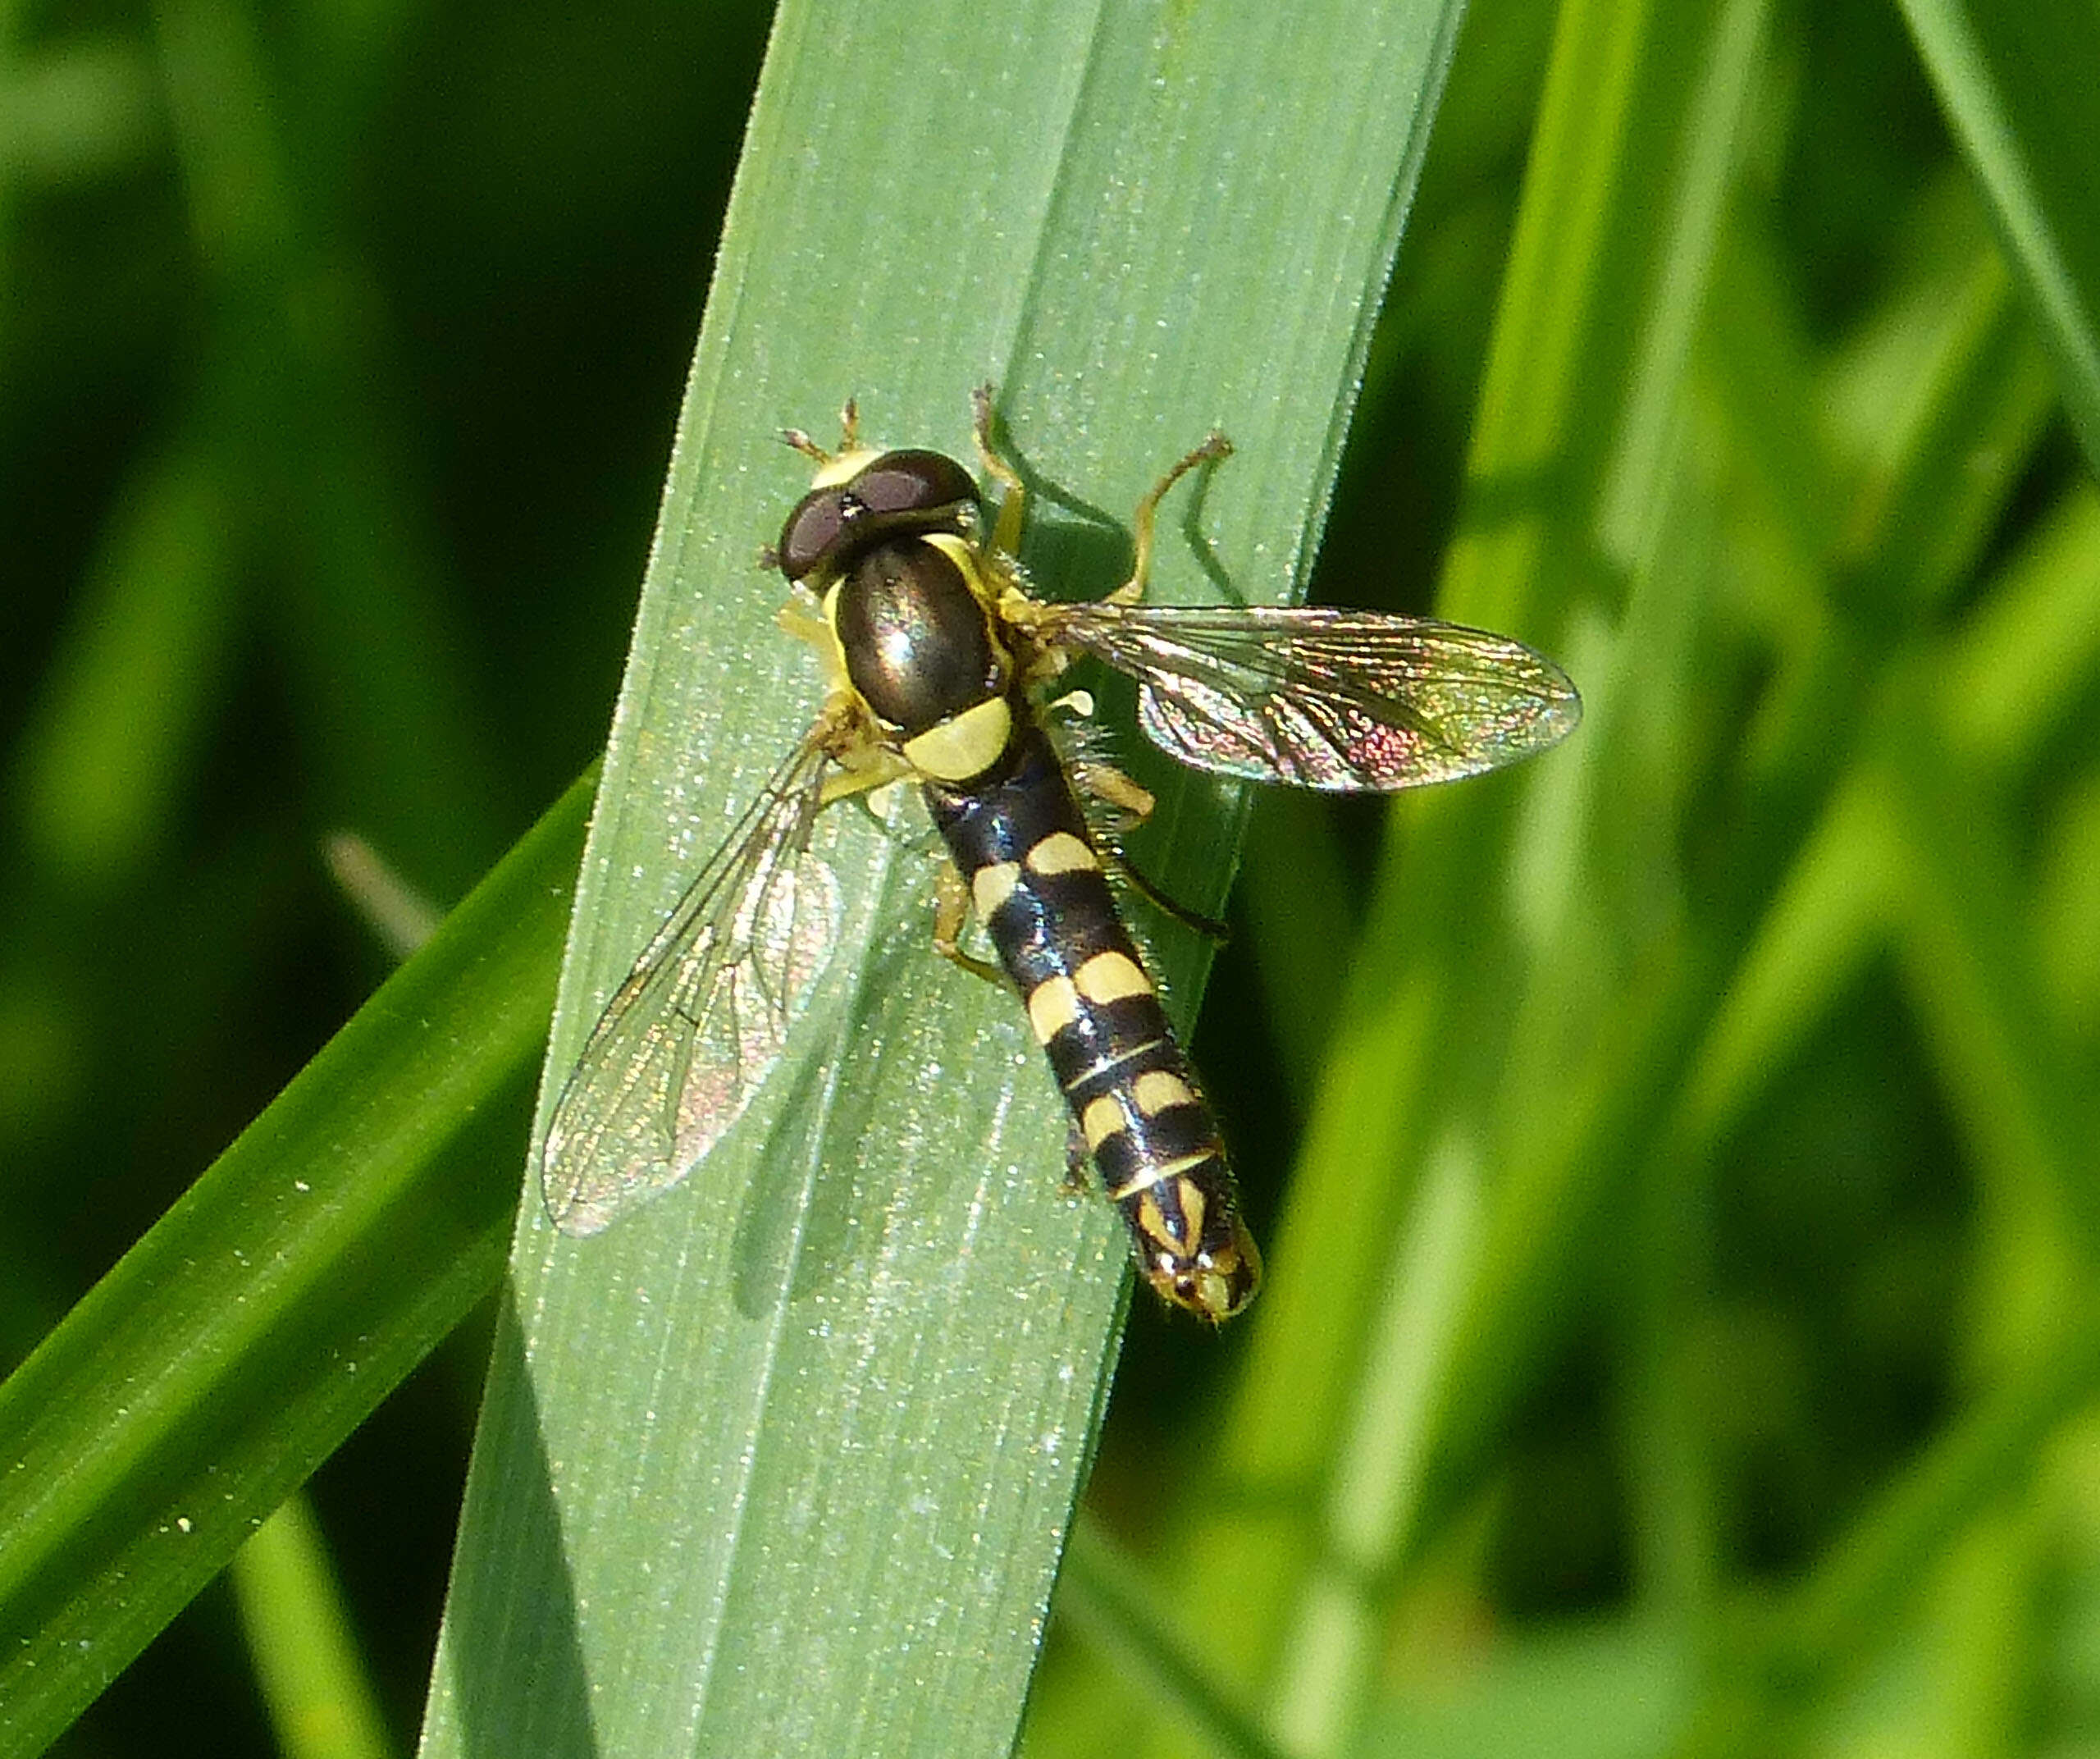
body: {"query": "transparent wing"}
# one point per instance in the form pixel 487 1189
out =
pixel 1337 700
pixel 686 1041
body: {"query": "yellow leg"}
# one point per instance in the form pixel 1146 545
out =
pixel 1215 447
pixel 951 912
pixel 1006 528
pixel 849 436
pixel 866 775
pixel 1108 785
pixel 1105 782
pixel 804 625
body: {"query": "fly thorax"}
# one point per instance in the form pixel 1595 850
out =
pixel 918 646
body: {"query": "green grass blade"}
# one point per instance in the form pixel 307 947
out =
pixel 351 1226
pixel 125 702
pixel 783 1464
pixel 2017 84
pixel 1117 1610
pixel 312 1679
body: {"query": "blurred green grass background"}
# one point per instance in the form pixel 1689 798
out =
pixel 1741 1403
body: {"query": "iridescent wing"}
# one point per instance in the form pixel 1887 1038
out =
pixel 683 1047
pixel 1336 700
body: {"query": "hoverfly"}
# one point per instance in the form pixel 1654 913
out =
pixel 935 655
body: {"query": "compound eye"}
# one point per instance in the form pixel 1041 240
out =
pixel 812 530
pixel 911 481
pixel 895 493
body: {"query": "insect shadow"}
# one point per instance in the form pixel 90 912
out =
pixel 782 1214
pixel 1075 550
pixel 817 1208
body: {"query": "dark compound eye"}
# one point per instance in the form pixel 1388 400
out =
pixel 902 491
pixel 913 481
pixel 812 529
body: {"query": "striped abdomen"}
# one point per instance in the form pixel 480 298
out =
pixel 1022 843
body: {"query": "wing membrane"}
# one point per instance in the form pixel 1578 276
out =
pixel 1336 700
pixel 686 1041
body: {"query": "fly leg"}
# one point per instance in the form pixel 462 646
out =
pixel 1215 447
pixel 800 619
pixel 1106 782
pixel 1006 528
pixel 849 436
pixel 951 912
pixel 1006 531
pixel 1210 928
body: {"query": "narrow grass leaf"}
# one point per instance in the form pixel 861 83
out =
pixel 2017 85
pixel 784 1462
pixel 319 1259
